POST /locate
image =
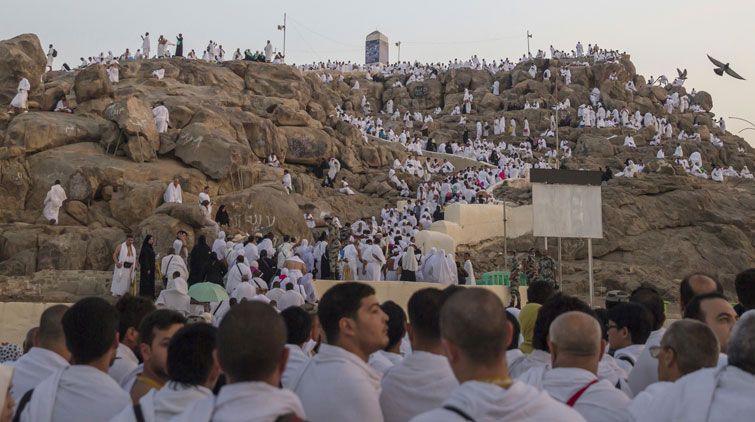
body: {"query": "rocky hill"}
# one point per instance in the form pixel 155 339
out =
pixel 226 118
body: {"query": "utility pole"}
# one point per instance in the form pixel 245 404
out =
pixel 398 44
pixel 528 43
pixel 283 28
pixel 505 239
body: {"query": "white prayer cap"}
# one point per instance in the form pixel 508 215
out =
pixel 254 264
pixel 221 235
pixel 241 252
pixel 177 246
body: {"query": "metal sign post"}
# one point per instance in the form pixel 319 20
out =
pixel 589 269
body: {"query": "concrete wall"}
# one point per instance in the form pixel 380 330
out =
pixel 400 291
pixel 469 224
pixel 458 161
pixel 17 318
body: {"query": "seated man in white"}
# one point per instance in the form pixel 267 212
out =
pixel 576 345
pixel 338 384
pixel 629 326
pixel 176 296
pixel 48 355
pixel 715 394
pixel 475 334
pixel 192 372
pixel 251 332
pixel 423 380
pixel 686 347
pixel 84 391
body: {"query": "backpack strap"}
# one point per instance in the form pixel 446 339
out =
pixel 459 412
pixel 626 358
pixel 138 414
pixel 573 399
pixel 22 404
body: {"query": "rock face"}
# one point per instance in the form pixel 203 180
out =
pixel 137 125
pixel 21 57
pixel 226 119
pixel 40 131
pixel 657 229
pixel 92 83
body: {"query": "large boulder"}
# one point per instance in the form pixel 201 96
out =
pixel 92 83
pixel 135 201
pixel 427 94
pixel 277 81
pixel 55 91
pixel 307 146
pixel 14 183
pixel 21 57
pixel 163 228
pixel 135 119
pixel 266 207
pixel 40 131
pixel 286 116
pixel 594 146
pixel 265 138
pixel 210 151
pixel 704 100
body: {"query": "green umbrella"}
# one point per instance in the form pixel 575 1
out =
pixel 207 292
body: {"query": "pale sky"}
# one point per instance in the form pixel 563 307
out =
pixel 659 35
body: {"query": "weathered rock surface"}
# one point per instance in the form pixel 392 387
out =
pixel 21 57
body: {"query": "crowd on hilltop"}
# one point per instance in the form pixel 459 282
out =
pixel 448 355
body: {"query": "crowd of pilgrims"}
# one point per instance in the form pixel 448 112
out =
pixel 455 354
pixel 595 114
pixel 398 127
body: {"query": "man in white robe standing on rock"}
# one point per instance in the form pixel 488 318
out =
pixel 146 45
pixel 268 52
pixel 124 258
pixel 475 334
pixel 173 193
pixel 53 201
pixel 51 53
pixel 21 100
pixel 162 117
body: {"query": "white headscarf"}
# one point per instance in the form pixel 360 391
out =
pixel 409 261
pixel 218 247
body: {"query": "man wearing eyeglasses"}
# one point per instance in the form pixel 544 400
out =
pixel 686 346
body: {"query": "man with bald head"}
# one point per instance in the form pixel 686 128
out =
pixel 715 394
pixel 645 371
pixel 687 346
pixel 47 356
pixel 475 334
pixel 576 344
pixel 694 285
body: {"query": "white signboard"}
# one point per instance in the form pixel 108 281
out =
pixel 567 211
